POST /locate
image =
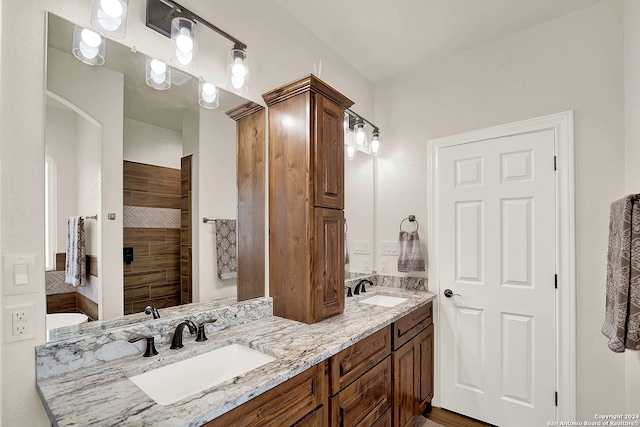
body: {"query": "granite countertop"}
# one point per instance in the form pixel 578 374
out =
pixel 103 395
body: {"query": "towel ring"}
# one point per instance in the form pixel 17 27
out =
pixel 411 218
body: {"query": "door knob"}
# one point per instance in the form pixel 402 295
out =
pixel 449 293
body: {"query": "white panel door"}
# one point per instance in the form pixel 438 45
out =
pixel 496 210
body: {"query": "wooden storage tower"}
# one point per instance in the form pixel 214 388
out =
pixel 306 199
pixel 250 166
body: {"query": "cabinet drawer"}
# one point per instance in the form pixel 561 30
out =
pixel 411 325
pixel 362 402
pixel 283 405
pixel 384 420
pixel 317 418
pixel 354 361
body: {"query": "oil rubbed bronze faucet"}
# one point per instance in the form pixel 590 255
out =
pixel 152 310
pixel 360 286
pixel 176 342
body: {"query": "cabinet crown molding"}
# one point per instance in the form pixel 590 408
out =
pixel 307 83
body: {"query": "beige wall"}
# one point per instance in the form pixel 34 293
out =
pixel 632 161
pixel 571 63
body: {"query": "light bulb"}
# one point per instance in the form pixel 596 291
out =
pixel 112 8
pixel 237 82
pixel 360 135
pixel 184 41
pixel 158 67
pixel 375 145
pixel 158 78
pixel 184 58
pixel 351 152
pixel 209 89
pixel 91 38
pixel 88 52
pixel 239 70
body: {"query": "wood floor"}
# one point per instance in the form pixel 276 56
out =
pixel 451 419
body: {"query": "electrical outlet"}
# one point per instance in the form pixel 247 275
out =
pixel 18 316
pixel 19 323
pixel 366 264
pixel 19 328
pixel 384 265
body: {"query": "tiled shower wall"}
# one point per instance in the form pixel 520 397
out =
pixel 151 218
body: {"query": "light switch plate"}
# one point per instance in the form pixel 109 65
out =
pixel 19 323
pixel 19 274
pixel 388 248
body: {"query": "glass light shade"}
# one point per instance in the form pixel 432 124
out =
pixel 158 75
pixel 361 136
pixel 109 17
pixel 88 46
pixel 183 43
pixel 351 152
pixel 237 71
pixel 375 145
pixel 208 96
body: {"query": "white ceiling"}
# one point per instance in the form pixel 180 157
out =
pixel 383 38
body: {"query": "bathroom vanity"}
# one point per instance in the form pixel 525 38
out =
pixel 367 366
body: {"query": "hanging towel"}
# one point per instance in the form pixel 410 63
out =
pixel 346 249
pixel 622 313
pixel 226 248
pixel 76 262
pixel 410 257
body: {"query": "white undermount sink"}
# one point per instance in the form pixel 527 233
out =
pixel 384 300
pixel 173 382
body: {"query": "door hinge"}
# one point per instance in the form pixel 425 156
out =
pixel 556 281
pixel 556 398
pixel 555 163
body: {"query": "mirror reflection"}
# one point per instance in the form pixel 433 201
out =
pixel 117 148
pixel 141 167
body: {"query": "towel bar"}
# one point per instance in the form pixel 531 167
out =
pixel 90 217
pixel 411 218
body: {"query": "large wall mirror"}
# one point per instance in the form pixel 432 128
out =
pixel 116 146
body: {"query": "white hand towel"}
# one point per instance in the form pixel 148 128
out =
pixel 410 257
pixel 76 262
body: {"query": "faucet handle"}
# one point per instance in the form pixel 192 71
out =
pixel 151 346
pixel 201 336
pixel 349 294
pixel 363 290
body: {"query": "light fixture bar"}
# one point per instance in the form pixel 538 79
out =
pixel 160 13
pixel 359 117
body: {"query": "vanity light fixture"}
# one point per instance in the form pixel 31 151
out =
pixel 161 14
pixel 361 136
pixel 183 42
pixel 88 46
pixel 358 124
pixel 237 70
pixel 208 96
pixel 375 143
pixel 109 17
pixel 158 75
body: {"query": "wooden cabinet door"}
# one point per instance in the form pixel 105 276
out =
pixel 284 405
pixel 365 400
pixel 328 266
pixel 384 420
pixel 424 343
pixel 406 385
pixel 329 154
pixel 317 418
